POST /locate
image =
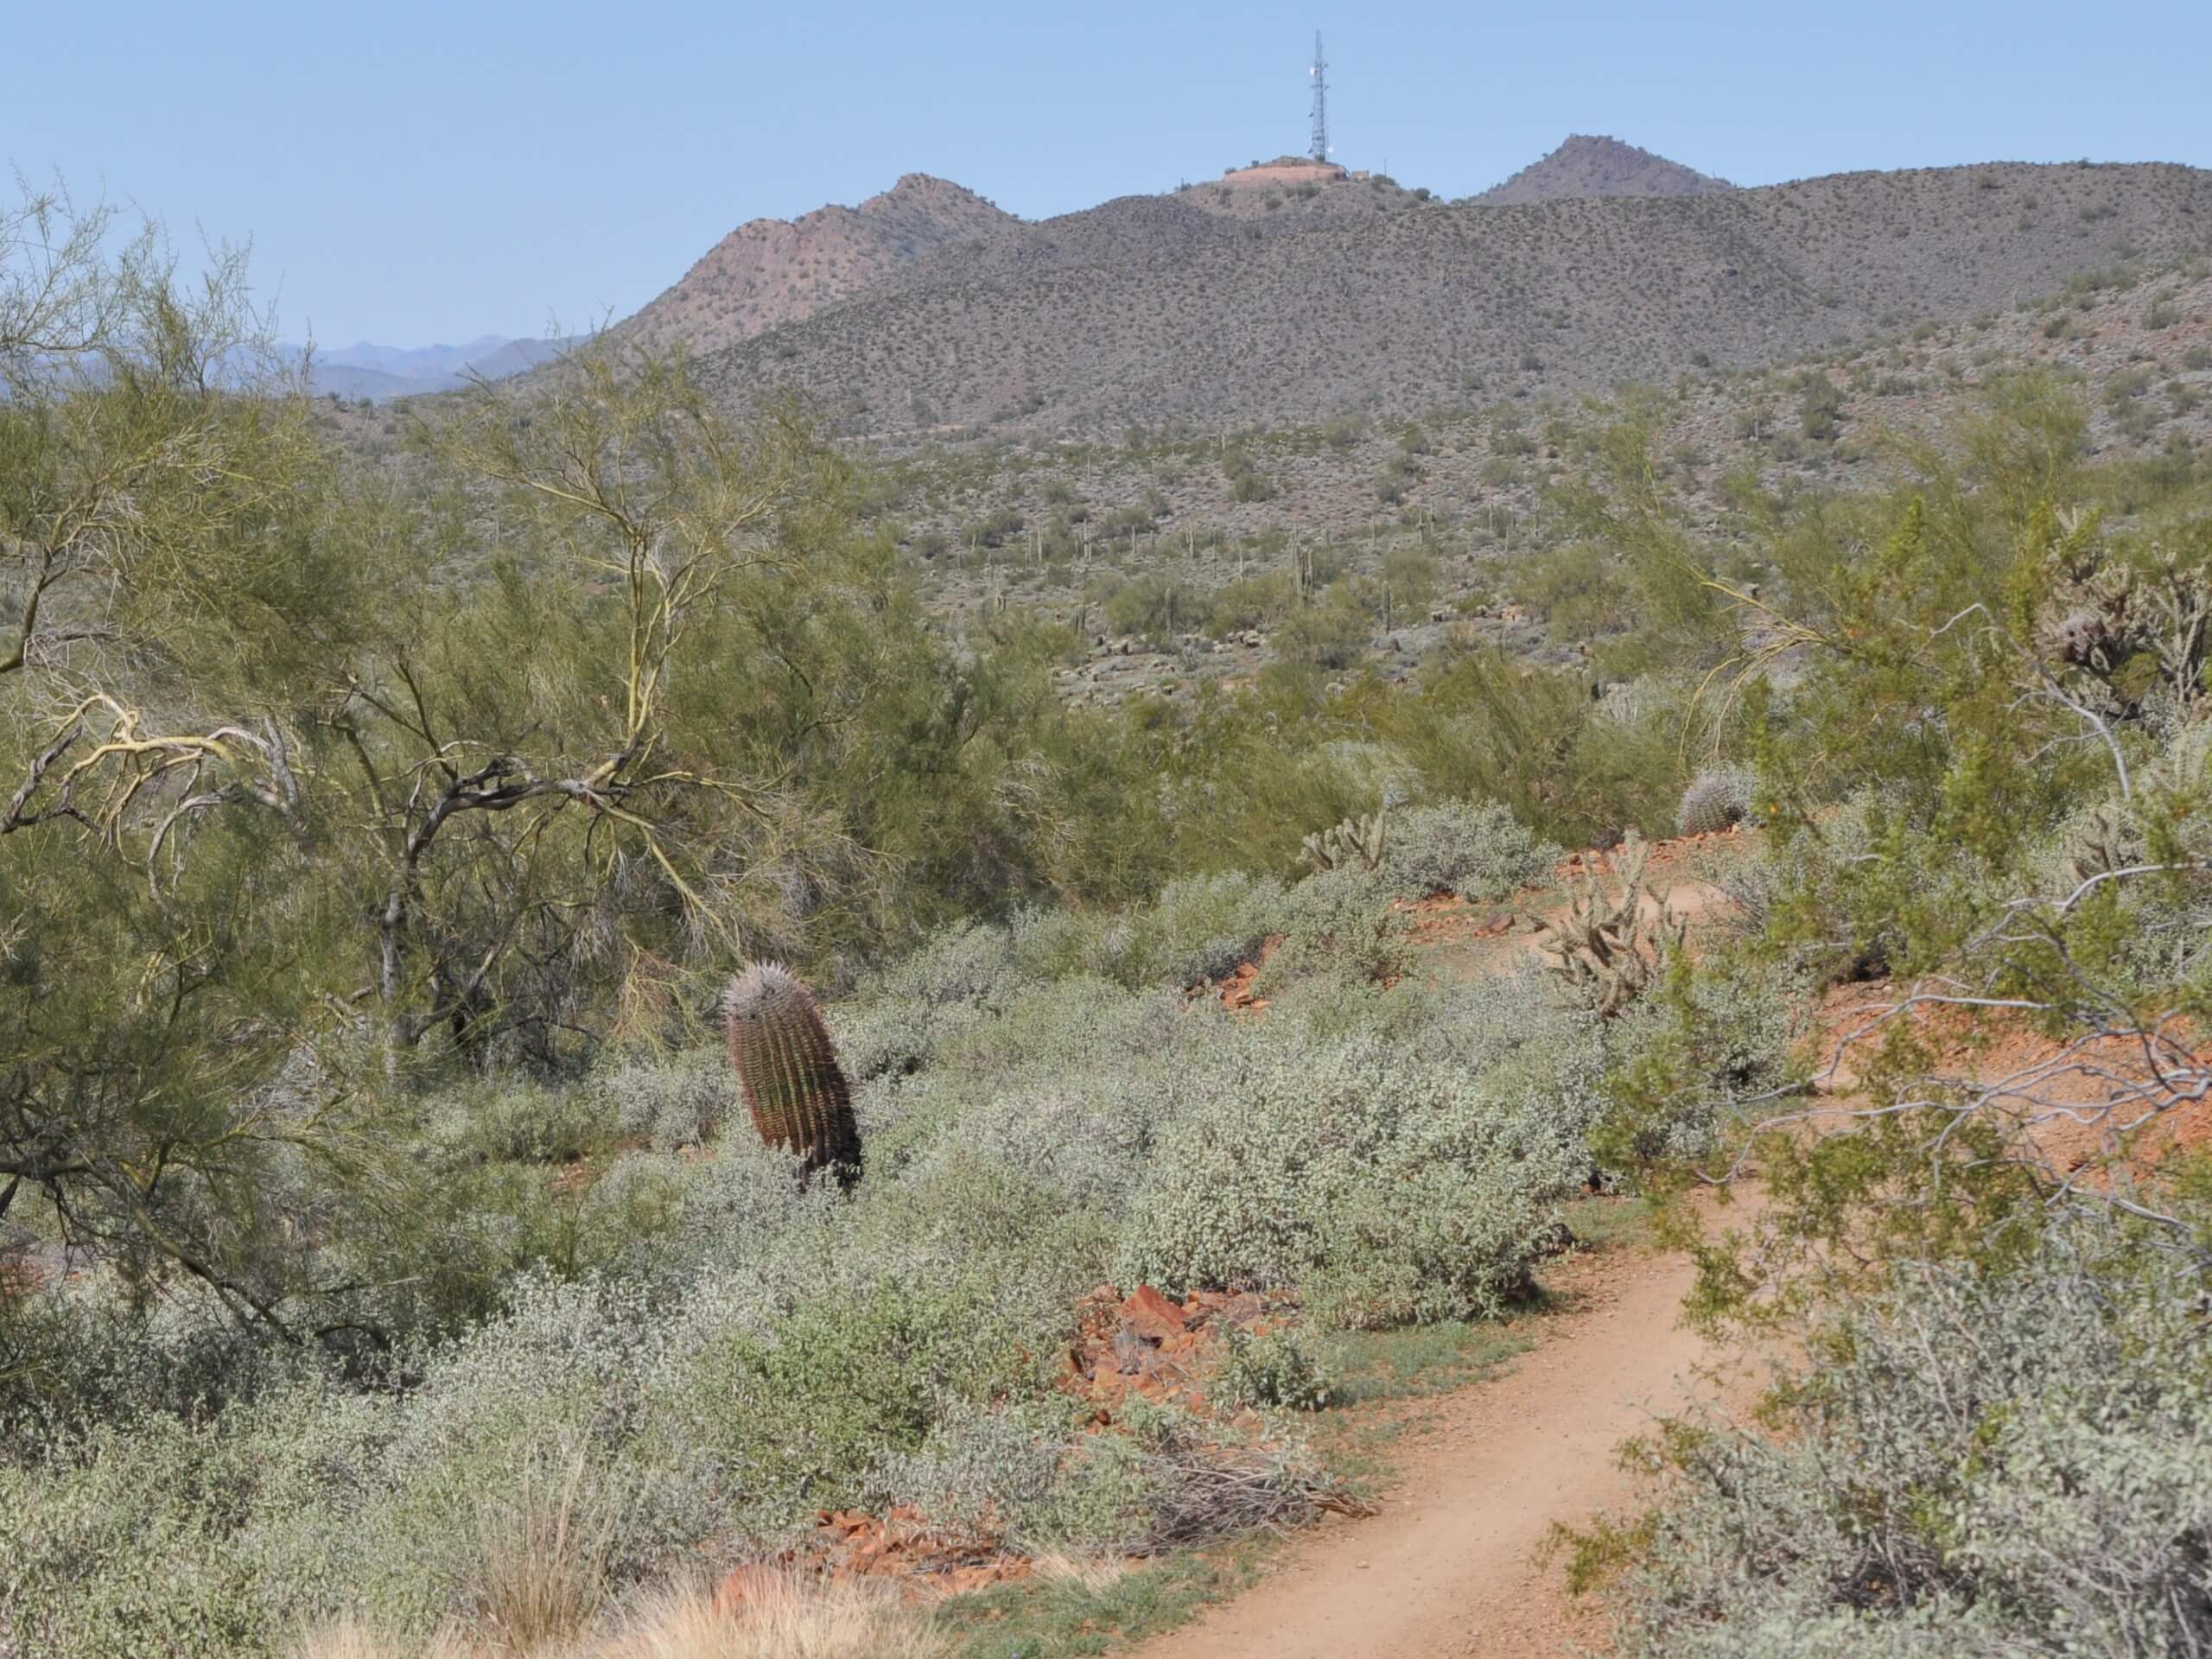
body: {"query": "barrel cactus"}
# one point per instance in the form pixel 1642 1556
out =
pixel 788 1068
pixel 1714 801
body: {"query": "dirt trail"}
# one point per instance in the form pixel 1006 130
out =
pixel 1448 1570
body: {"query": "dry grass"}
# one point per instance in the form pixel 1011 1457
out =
pixel 1091 1574
pixel 790 1620
pixel 543 1569
pixel 787 1618
pixel 351 1639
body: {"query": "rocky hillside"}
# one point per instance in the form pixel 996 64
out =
pixel 1585 166
pixel 772 271
pixel 1155 313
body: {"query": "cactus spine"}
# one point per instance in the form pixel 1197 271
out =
pixel 788 1068
pixel 1714 801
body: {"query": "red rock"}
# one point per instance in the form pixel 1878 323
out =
pixel 1151 1315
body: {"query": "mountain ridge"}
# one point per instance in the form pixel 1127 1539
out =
pixel 1135 313
pixel 1588 165
pixel 771 271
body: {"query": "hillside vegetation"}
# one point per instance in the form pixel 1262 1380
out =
pixel 387 1265
pixel 1153 312
pixel 1183 560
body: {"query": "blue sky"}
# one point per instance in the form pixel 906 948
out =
pixel 412 172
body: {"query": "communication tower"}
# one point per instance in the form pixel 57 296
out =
pixel 1320 101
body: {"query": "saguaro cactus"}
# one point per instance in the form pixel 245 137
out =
pixel 788 1068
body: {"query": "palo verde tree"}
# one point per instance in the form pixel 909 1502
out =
pixel 318 777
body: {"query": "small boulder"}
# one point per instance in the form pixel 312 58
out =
pixel 1151 1315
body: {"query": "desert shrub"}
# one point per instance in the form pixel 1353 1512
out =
pixel 1338 926
pixel 1294 1165
pixel 1488 727
pixel 599 1414
pixel 1982 1461
pixel 1253 601
pixel 903 1015
pixel 1156 608
pixel 807 1406
pixel 982 1468
pixel 1332 634
pixel 1856 894
pixel 2151 934
pixel 885 1036
pixel 1476 849
pixel 1170 1480
pixel 91 1350
pixel 1689 1060
pixel 969 963
pixel 1246 484
pixel 161 1578
pixel 1199 928
pixel 1063 1027
pixel 680 1100
pixel 218 1535
pixel 514 1119
pixel 1275 1368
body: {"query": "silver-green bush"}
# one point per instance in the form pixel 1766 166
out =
pixel 2008 1461
pixel 1476 849
pixel 1392 1190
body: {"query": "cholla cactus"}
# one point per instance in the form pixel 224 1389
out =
pixel 788 1068
pixel 2105 839
pixel 1355 840
pixel 2101 614
pixel 1609 948
pixel 1714 801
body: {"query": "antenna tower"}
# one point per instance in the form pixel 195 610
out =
pixel 1320 101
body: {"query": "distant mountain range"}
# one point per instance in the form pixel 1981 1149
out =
pixel 382 372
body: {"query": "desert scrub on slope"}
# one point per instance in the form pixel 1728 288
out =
pixel 693 1354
